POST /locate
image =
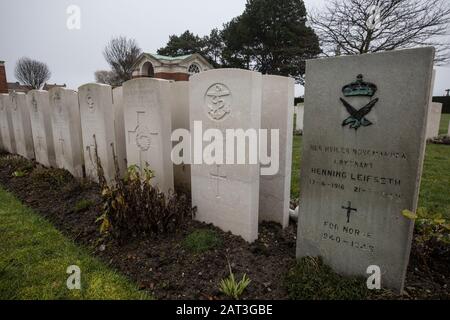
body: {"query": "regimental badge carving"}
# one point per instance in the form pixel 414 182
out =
pixel 34 103
pixel 90 102
pixel 142 135
pixel 143 138
pixel 359 88
pixel 218 102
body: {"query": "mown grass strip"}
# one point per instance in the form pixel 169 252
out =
pixel 34 257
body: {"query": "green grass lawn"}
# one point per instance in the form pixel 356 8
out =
pixel 34 257
pixel 435 187
pixel 444 123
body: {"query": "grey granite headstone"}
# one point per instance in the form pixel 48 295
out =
pixel 363 150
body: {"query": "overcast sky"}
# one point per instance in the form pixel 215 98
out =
pixel 37 29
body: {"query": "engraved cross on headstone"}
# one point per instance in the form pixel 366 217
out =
pixel 349 210
pixel 91 151
pixel 61 143
pixel 141 137
pixel 218 177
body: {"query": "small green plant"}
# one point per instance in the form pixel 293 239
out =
pixel 201 241
pixel 432 225
pixel 19 173
pixel 231 288
pixel 83 205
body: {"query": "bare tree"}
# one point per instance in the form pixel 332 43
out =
pixel 32 73
pixel 361 26
pixel 107 77
pixel 121 54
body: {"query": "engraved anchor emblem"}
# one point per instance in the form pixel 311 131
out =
pixel 218 99
pixel 357 117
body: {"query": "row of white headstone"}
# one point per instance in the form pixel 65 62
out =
pixel 64 128
pixel 363 148
pixel 434 120
pixel 299 111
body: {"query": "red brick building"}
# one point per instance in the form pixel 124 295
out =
pixel 3 82
pixel 170 68
pixel 7 87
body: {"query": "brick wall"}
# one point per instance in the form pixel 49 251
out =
pixel 3 82
pixel 172 76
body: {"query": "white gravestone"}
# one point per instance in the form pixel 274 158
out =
pixel 21 122
pixel 6 127
pixel 434 120
pixel 41 126
pixel 119 127
pixel 97 126
pixel 148 128
pixel 277 114
pixel 299 112
pixel 180 120
pixel 226 195
pixel 363 150
pixel 67 137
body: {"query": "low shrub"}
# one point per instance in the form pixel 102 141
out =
pixel 431 245
pixel 201 241
pixel 133 207
pixel 311 279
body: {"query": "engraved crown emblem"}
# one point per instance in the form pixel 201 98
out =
pixel 359 88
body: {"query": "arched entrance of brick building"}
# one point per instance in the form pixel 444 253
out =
pixel 147 70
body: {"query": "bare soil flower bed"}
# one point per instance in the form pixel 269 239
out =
pixel 164 267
